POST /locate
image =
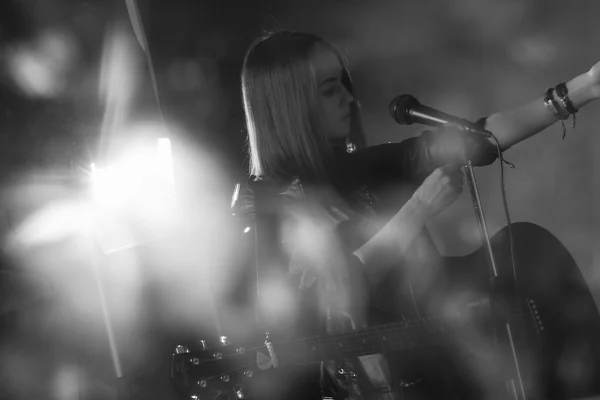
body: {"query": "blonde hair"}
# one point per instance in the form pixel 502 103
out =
pixel 279 91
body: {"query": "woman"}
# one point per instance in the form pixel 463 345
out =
pixel 331 207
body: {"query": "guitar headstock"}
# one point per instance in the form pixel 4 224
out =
pixel 213 370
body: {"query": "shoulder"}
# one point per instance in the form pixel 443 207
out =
pixel 254 193
pixel 242 197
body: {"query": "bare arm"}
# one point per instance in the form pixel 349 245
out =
pixel 397 234
pixel 393 241
pixel 515 125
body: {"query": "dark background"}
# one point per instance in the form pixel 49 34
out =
pixel 467 57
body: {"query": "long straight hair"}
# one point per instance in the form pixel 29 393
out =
pixel 280 98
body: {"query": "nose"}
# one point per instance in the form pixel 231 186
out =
pixel 347 97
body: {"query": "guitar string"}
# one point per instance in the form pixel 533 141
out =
pixel 380 329
pixel 396 339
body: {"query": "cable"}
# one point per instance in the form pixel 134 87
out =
pixel 505 205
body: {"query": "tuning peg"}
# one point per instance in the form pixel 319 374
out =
pixel 202 383
pixel 248 373
pixel 225 378
pixel 202 344
pixel 218 355
pixel 181 349
pixel 224 340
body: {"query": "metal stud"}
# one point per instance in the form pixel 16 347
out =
pixel 181 349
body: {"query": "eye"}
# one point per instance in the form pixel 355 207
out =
pixel 329 91
pixel 332 89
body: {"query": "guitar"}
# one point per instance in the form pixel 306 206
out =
pixel 555 320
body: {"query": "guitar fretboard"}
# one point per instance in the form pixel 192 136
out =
pixel 401 336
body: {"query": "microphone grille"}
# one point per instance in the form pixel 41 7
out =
pixel 400 107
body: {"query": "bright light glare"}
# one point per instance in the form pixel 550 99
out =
pixel 67 383
pixel 39 68
pixel 142 174
pixel 134 195
pixel 54 222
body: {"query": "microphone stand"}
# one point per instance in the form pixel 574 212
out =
pixel 500 286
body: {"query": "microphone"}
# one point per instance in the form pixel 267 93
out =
pixel 406 110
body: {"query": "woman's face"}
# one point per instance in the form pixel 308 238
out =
pixel 334 99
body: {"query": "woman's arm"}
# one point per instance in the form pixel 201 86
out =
pixel 393 241
pixel 395 237
pixel 515 125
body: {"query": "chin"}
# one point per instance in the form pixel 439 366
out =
pixel 340 133
pixel 338 136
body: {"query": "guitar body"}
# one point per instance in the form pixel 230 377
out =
pixel 555 330
pixel 557 338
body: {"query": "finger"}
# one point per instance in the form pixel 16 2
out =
pixel 455 179
pixel 457 183
pixel 451 168
pixel 455 175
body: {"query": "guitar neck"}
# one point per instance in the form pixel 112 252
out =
pixel 396 337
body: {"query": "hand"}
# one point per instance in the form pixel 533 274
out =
pixel 454 145
pixel 440 189
pixel 594 73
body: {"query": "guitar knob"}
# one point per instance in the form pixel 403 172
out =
pixel 195 361
pixel 240 393
pixel 218 355
pixel 225 378
pixel 202 383
pixel 224 340
pixel 248 373
pixel 181 349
